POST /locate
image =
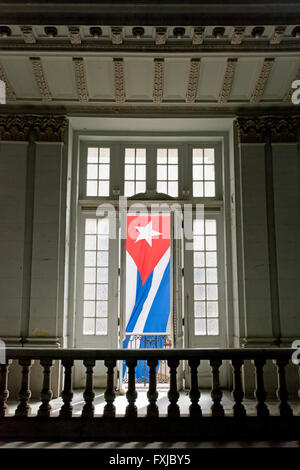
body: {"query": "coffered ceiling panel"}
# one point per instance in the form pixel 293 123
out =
pixel 59 72
pixel 176 74
pixel 100 78
pixel 20 75
pixel 139 73
pixel 246 73
pixel 283 71
pixel 211 77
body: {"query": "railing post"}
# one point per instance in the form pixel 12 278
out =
pixel 216 393
pixel 23 408
pixel 4 393
pixel 152 394
pixel 195 410
pixel 282 392
pixel 67 394
pixel 260 394
pixel 109 395
pixel 88 394
pixel 46 394
pixel 238 394
pixel 173 395
pixel 131 395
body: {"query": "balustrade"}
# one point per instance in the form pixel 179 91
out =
pixel 191 358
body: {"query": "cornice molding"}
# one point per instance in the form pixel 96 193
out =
pixel 46 128
pixel 259 130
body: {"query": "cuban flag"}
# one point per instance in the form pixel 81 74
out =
pixel 147 280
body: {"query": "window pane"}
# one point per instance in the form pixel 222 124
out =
pixel 211 292
pixel 89 309
pixel 199 292
pixel 197 156
pixel 173 156
pixel 101 309
pixel 161 187
pixel 212 309
pixel 129 172
pixel 199 309
pixel 199 259
pixel 198 172
pixel 89 291
pixel 101 326
pixel 141 156
pixel 91 188
pixel 209 172
pixel 103 226
pixel 90 275
pixel 92 172
pixel 141 172
pixel 88 326
pixel 102 275
pixel 198 189
pixel 209 189
pixel 129 155
pixel 210 227
pixel 173 172
pixel 92 155
pixel 103 172
pixel 90 242
pixel 102 292
pixel 200 327
pixel 161 172
pixel 161 155
pixel 211 259
pixel 129 188
pixel 211 243
pixel 103 242
pixel 209 155
pixel 102 258
pixel 211 275
pixel 199 243
pixel 212 326
pixel 140 187
pixel 104 155
pixel 173 189
pixel 199 275
pixel 198 227
pixel 90 258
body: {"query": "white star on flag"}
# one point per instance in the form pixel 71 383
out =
pixel 146 233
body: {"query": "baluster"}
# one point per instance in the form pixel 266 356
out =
pixel 131 395
pixel 195 410
pixel 260 394
pixel 4 393
pixel 67 394
pixel 282 392
pixel 23 408
pixel 216 393
pixel 173 395
pixel 88 394
pixel 152 394
pixel 110 409
pixel 46 394
pixel 238 393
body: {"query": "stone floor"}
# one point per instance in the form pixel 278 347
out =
pixel 142 401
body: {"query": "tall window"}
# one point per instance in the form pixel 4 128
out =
pixel 96 256
pixel 204 172
pixel 167 171
pixel 135 171
pixel 98 171
pixel 205 266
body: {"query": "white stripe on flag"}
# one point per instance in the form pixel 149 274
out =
pixel 158 273
pixel 131 277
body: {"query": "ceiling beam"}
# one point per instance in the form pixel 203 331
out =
pixel 158 87
pixel 262 80
pixel 40 78
pixel 119 80
pixel 193 81
pixel 290 90
pixel 10 94
pixel 81 85
pixel 228 79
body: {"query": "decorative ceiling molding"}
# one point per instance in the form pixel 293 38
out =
pixel 74 33
pixel 46 128
pixel 81 85
pixel 193 81
pixel 119 80
pixel 10 94
pixel 277 35
pixel 290 90
pixel 158 86
pixel 41 78
pixel 238 34
pixel 160 36
pixel 116 35
pixel 198 35
pixel 262 80
pixel 228 79
pixel 261 129
pixel 28 35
